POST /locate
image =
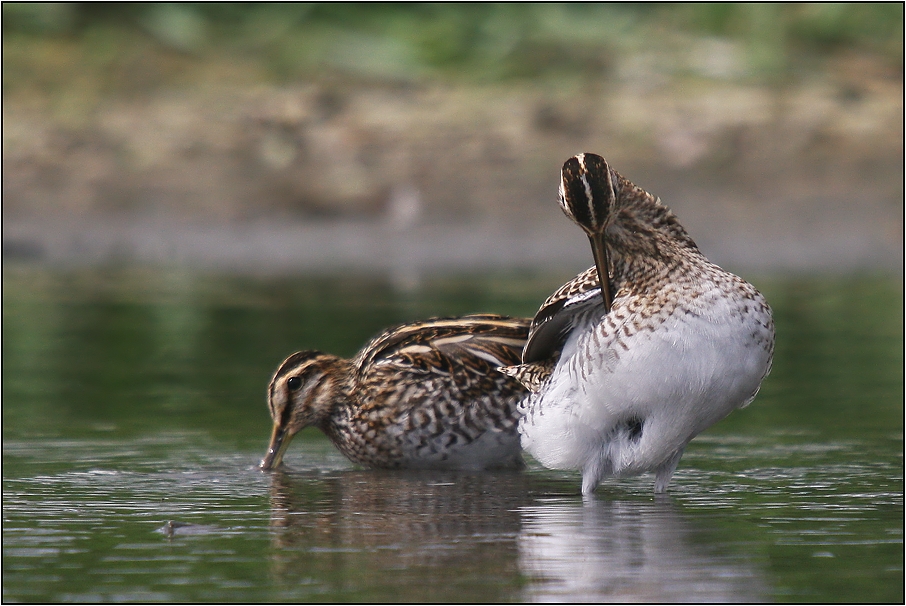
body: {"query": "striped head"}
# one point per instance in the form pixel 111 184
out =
pixel 303 392
pixel 588 195
pixel 588 191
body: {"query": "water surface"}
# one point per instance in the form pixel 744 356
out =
pixel 134 416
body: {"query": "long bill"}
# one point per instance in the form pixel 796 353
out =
pixel 599 250
pixel 276 449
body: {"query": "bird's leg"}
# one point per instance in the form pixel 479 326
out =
pixel 664 472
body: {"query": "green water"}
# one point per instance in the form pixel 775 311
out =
pixel 133 398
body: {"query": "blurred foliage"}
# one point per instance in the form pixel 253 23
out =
pixel 471 41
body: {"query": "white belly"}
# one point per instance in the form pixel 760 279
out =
pixel 619 410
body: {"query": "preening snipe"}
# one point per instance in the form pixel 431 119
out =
pixel 637 355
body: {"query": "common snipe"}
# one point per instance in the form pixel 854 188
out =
pixel 623 377
pixel 424 395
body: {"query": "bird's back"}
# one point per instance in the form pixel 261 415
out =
pixel 429 394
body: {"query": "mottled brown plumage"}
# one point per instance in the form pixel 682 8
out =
pixel 424 395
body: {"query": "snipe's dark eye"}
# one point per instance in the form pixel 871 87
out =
pixel 294 383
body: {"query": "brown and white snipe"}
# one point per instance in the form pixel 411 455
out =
pixel 423 395
pixel 637 355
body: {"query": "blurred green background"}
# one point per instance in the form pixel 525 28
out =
pixel 774 130
pixel 472 42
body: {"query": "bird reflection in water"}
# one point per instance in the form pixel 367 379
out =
pixel 493 536
pixel 408 536
pixel 627 551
